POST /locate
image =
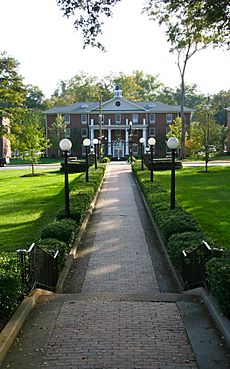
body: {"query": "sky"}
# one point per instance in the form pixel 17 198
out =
pixel 49 49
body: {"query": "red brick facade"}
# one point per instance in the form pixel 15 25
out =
pixel 111 121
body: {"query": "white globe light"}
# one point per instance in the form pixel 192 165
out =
pixel 65 144
pixel 142 140
pixel 130 123
pixel 86 142
pixel 95 141
pixel 172 143
pixel 151 141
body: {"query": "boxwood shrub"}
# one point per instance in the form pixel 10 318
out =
pixel 11 289
pixel 61 230
pixel 218 276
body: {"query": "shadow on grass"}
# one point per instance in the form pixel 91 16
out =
pixel 37 211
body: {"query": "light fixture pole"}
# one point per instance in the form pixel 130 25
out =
pixel 65 145
pixel 95 142
pixel 142 142
pixel 86 143
pixel 173 144
pixel 151 142
pixel 130 142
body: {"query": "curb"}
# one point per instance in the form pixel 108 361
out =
pixel 13 327
pixel 220 320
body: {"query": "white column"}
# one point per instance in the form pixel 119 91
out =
pixel 127 121
pixel 109 142
pixel 144 121
pixel 109 122
pixel 145 137
pixel 91 122
pixel 126 142
pixel 91 135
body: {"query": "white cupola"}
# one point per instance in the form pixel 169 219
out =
pixel 117 91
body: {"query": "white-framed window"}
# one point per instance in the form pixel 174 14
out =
pixel 84 119
pixel 117 118
pixel 84 132
pixel 152 118
pixel 135 118
pixel 169 118
pixel 67 119
pixel 152 132
pixel 167 130
pixel 67 132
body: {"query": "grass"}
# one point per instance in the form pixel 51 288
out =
pixel 207 197
pixel 27 204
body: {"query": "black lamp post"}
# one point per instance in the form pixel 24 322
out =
pixel 151 142
pixel 95 142
pixel 86 143
pixel 130 142
pixel 65 145
pixel 173 144
pixel 142 142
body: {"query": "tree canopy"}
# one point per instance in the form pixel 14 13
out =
pixel 12 89
pixel 209 16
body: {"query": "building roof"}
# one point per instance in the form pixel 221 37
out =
pixel 124 106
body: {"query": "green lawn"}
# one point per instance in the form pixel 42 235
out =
pixel 27 204
pixel 207 197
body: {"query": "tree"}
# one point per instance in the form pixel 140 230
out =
pixel 12 90
pixel 187 35
pixel 34 97
pixel 30 139
pixel 205 134
pixel 209 14
pixel 219 102
pixel 57 132
pixel 89 15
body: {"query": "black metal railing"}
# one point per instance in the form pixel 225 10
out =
pixel 194 271
pixel 38 268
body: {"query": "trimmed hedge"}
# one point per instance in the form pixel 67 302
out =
pixel 11 289
pixel 161 164
pixel 218 272
pixel 180 231
pixel 61 230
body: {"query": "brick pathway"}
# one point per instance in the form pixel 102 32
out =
pixel 96 333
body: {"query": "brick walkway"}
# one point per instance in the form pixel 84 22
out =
pixel 113 314
pixel 97 333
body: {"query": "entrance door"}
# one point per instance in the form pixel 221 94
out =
pixel 118 153
pixel 118 150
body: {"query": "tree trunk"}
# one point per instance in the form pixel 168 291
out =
pixel 183 128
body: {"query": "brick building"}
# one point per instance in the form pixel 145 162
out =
pixel 110 121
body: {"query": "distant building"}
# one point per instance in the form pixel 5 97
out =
pixel 5 148
pixel 110 121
